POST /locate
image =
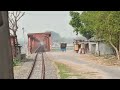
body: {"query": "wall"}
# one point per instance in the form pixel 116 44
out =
pixel 100 48
pixel 105 49
pixel 93 47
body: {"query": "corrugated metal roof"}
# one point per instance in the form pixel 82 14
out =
pixel 95 39
pixel 38 33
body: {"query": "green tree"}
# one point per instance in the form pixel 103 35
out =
pixel 105 25
pixel 78 25
pixel 101 24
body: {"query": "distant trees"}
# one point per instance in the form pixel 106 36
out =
pixel 102 24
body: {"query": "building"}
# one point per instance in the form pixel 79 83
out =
pixel 93 46
pixel 78 41
pixel 99 47
pixel 35 39
pixel 16 49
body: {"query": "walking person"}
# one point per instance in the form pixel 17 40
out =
pixel 82 48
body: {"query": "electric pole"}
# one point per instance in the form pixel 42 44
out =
pixel 24 39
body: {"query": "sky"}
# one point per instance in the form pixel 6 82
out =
pixel 42 21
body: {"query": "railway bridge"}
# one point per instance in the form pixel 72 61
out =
pixel 35 39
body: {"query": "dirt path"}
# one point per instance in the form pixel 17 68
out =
pixel 79 63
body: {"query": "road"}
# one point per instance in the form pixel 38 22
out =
pixel 111 72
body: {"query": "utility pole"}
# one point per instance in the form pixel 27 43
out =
pixel 6 59
pixel 24 39
pixel 23 35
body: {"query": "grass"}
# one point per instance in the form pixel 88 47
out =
pixel 108 60
pixel 66 72
pixel 16 62
pixel 63 70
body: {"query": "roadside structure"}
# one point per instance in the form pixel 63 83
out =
pixel 92 46
pixel 16 48
pixel 35 39
pixel 99 47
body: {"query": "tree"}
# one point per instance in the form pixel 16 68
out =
pixel 101 24
pixel 14 17
pixel 105 25
pixel 79 26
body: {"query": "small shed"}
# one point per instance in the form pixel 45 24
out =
pixel 78 41
pixel 99 47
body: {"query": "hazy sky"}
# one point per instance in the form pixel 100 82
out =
pixel 41 21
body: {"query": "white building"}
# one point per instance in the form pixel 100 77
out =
pixel 99 47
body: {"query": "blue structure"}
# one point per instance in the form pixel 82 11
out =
pixel 63 47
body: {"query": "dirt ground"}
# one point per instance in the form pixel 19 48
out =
pixel 102 60
pixel 83 70
pixel 95 67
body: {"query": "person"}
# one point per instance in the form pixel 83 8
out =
pixel 82 48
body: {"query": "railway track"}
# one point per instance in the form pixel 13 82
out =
pixel 38 68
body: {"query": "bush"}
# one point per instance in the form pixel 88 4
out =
pixel 16 62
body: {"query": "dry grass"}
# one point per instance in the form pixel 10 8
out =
pixel 69 70
pixel 108 60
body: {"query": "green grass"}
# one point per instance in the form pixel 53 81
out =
pixel 16 62
pixel 65 72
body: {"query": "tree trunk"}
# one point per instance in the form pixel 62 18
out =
pixel 119 44
pixel 116 50
pixel 16 43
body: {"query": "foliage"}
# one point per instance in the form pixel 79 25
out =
pixel 79 26
pixel 66 72
pixel 63 70
pixel 14 17
pixel 101 24
pixel 105 22
pixel 16 62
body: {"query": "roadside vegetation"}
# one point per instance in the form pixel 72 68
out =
pixel 107 23
pixel 66 72
pixel 109 60
pixel 16 62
